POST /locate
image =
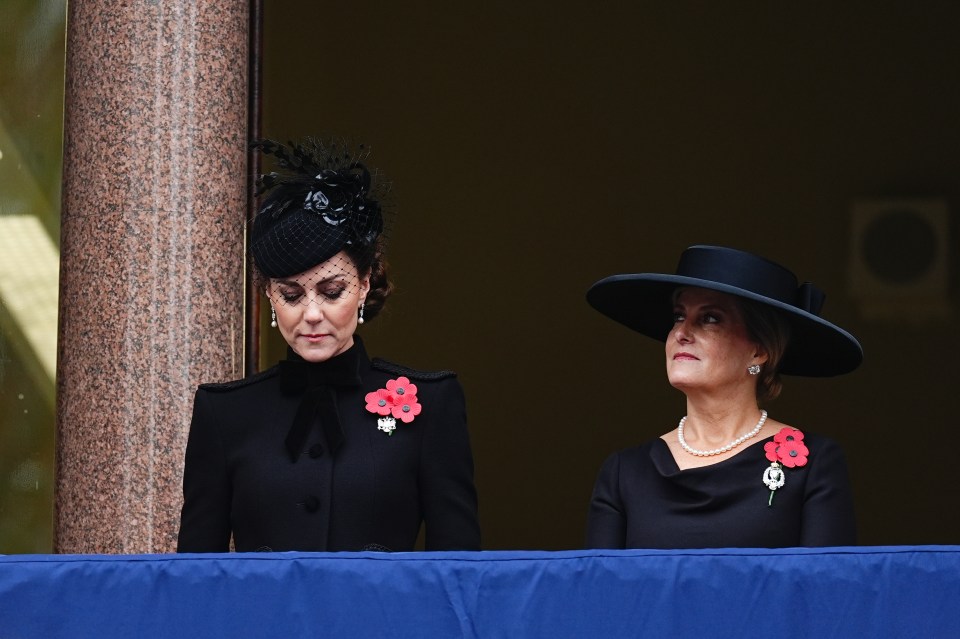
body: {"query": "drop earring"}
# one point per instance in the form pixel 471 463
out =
pixel 273 317
pixel 360 319
pixel 754 370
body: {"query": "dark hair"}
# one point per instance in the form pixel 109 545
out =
pixel 374 264
pixel 770 330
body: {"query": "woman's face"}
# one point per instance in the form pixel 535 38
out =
pixel 317 310
pixel 708 348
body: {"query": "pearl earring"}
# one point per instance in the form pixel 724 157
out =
pixel 754 370
pixel 360 319
pixel 273 317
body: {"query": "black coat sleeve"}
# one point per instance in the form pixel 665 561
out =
pixel 828 516
pixel 607 521
pixel 205 518
pixel 447 492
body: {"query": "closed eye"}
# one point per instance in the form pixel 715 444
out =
pixel 334 293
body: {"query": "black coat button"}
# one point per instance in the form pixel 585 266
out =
pixel 315 451
pixel 311 504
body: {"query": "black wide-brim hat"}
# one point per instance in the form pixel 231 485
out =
pixel 643 302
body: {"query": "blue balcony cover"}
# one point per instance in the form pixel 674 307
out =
pixel 834 592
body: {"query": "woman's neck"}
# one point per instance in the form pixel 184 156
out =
pixel 723 428
pixel 713 422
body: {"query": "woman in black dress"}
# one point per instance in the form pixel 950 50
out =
pixel 328 450
pixel 728 475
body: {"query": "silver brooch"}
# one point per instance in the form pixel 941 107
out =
pixel 774 478
pixel 387 425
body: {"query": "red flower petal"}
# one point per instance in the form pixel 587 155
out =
pixel 401 388
pixel 787 434
pixel 793 453
pixel 399 399
pixel 771 450
pixel 392 383
pixel 379 402
pixel 406 411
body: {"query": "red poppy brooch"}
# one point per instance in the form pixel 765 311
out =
pixel 786 449
pixel 397 401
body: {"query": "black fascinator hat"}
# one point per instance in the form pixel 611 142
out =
pixel 322 201
pixel 643 302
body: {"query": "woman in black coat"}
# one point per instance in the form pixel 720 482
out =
pixel 728 475
pixel 328 450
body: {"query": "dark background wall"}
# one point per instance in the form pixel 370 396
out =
pixel 538 146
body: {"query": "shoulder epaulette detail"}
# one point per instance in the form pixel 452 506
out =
pixel 240 383
pixel 410 373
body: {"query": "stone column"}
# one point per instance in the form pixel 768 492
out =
pixel 151 283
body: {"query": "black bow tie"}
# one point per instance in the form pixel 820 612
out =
pixel 317 381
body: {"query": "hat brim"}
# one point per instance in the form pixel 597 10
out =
pixel 642 302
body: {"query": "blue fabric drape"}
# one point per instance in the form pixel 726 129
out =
pixel 821 592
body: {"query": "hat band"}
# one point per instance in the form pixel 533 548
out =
pixel 753 274
pixel 810 298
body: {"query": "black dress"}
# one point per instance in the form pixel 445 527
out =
pixel 291 459
pixel 643 500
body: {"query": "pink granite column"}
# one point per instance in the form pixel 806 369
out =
pixel 151 297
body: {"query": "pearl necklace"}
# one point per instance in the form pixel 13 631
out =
pixel 717 451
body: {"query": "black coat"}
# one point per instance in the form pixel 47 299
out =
pixel 269 464
pixel 643 500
